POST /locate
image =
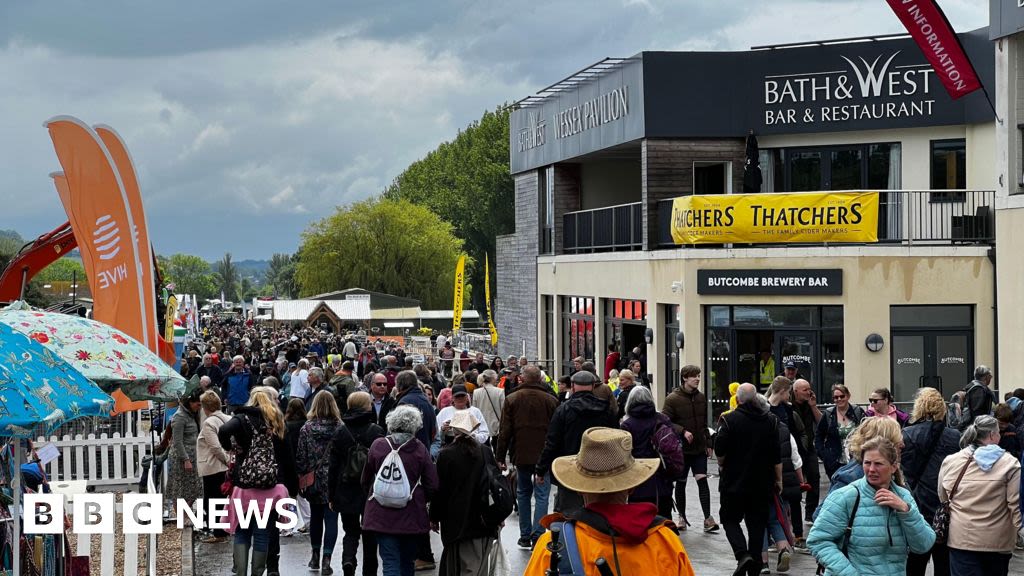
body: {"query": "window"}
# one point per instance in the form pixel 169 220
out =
pixel 546 187
pixel 577 330
pixel 668 343
pixel 847 167
pixel 948 169
pixel 548 303
pixel 931 346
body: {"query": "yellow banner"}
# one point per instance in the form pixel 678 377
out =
pixel 776 218
pixel 460 277
pixel 487 296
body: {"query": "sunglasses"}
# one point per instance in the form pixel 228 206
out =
pixel 873 400
pixel 839 397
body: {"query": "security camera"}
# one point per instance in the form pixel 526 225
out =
pixel 677 286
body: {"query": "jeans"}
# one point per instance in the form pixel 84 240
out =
pixel 398 553
pixel 775 529
pixel 323 525
pixel 967 563
pixel 258 538
pixel 917 564
pixel 350 542
pixel 525 488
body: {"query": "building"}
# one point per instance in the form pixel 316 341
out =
pixel 599 157
pixel 356 309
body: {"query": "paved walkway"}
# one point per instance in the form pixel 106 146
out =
pixel 709 553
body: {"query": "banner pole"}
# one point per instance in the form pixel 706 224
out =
pixel 991 104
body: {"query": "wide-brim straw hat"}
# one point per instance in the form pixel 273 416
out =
pixel 464 422
pixel 604 464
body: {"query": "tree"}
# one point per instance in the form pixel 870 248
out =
pixel 281 276
pixel 390 246
pixel 227 278
pixel 63 270
pixel 467 183
pixel 189 274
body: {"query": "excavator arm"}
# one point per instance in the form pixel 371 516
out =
pixel 32 258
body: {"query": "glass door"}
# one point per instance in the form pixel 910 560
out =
pixel 941 360
pixel 801 348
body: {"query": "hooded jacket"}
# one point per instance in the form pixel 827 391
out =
pixel 984 514
pixel 642 542
pixel 359 425
pixel 747 446
pixel 688 412
pixel 581 411
pixel 314 456
pixel 880 539
pixel 925 445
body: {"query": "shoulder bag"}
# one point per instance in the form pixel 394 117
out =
pixel 940 522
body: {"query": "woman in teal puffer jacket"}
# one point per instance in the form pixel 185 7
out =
pixel 886 524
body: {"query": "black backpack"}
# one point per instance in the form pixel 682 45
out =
pixel 355 460
pixel 496 498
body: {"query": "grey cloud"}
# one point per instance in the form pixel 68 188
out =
pixel 249 119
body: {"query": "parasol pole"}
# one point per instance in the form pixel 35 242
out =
pixel 16 512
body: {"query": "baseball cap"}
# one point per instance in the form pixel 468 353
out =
pixel 459 389
pixel 790 364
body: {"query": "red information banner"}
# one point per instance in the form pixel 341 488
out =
pixel 931 30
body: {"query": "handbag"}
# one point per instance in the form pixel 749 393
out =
pixel 309 478
pixel 940 522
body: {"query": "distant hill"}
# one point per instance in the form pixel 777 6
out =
pixel 251 268
pixel 10 242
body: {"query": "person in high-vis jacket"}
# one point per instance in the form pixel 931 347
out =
pixel 628 538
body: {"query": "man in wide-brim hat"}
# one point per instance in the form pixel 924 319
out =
pixel 631 538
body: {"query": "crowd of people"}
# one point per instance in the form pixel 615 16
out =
pixel 332 420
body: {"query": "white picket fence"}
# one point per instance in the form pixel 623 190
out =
pixel 130 548
pixel 101 459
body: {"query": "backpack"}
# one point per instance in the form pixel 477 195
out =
pixel 496 496
pixel 260 465
pixel 355 460
pixel 391 485
pixel 670 450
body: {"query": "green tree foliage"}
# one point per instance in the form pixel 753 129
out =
pixel 190 275
pixel 467 183
pixel 63 270
pixel 280 280
pixel 383 245
pixel 227 278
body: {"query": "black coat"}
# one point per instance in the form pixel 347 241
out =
pixel 458 502
pixel 387 405
pixel 350 498
pixel 925 445
pixel 747 446
pixel 826 437
pixel 237 429
pixel 581 411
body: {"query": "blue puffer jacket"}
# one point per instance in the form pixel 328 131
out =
pixel 880 539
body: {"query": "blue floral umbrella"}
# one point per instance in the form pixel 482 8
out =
pixel 39 391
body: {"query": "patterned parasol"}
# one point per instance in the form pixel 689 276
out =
pixel 40 390
pixel 101 353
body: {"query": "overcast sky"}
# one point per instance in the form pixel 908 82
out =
pixel 248 119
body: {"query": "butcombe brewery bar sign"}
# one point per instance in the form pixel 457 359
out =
pixel 805 282
pixel 776 218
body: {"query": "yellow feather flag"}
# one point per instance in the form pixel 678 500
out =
pixel 487 295
pixel 460 279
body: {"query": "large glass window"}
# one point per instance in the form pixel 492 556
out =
pixel 577 330
pixel 753 343
pixel 848 167
pixel 673 322
pixel 948 169
pixel 548 303
pixel 546 186
pixel 625 322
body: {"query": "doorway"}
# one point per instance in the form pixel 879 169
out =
pixel 940 360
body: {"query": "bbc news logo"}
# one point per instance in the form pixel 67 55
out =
pixel 143 513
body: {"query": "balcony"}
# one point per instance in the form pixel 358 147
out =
pixel 905 217
pixel 611 229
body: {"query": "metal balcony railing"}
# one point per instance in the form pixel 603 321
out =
pixel 907 217
pixel 615 228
